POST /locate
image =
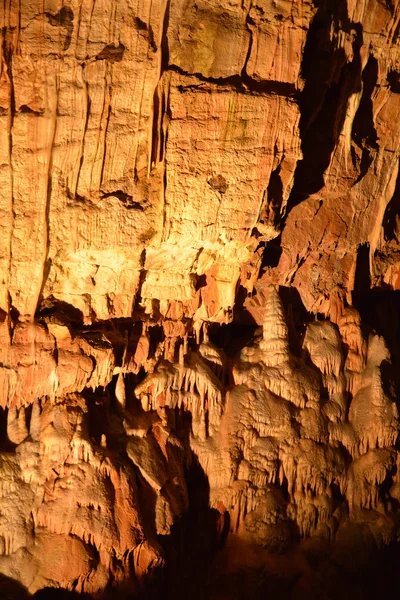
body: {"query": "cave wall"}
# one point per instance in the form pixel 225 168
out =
pixel 199 296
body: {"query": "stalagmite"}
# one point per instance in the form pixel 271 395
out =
pixel 34 425
pixel 274 344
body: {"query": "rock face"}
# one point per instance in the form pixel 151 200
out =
pixel 199 296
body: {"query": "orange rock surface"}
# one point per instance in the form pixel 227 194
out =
pixel 199 297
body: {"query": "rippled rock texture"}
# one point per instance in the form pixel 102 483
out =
pixel 199 298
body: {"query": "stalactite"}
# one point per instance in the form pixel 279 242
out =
pixel 120 392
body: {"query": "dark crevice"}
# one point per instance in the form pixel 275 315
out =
pixel 250 26
pixel 159 132
pixel 76 197
pixel 364 133
pixel 125 199
pixel 5 444
pixel 155 128
pixel 164 40
pixel 164 215
pixel 232 337
pixel 218 183
pixel 88 111
pixel 330 80
pixel 274 198
pixel 271 208
pixel 394 81
pixel 64 18
pixel 142 277
pixel 139 24
pixel 160 100
pixel 45 276
pixel 8 60
pixel 24 109
pixel 143 28
pixel 242 84
pixel 379 310
pixel 241 316
pixel 47 260
pixel 14 314
pixel 112 53
pixel 364 164
pixel 201 281
pixel 99 408
pixel 272 253
pixel 392 212
pixel 60 311
pixel 297 317
pixel 108 118
pixel 362 279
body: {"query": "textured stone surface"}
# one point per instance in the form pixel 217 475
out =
pixel 199 296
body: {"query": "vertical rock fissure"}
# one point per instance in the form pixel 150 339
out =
pixel 7 58
pixel 46 264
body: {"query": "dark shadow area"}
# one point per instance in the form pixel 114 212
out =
pixel 112 53
pixel 5 444
pixel 275 195
pixel 201 281
pixel 297 317
pixel 59 594
pixel 99 413
pixel 364 133
pixel 62 311
pixel 362 279
pixel 272 253
pixel 193 542
pixel 125 199
pixel 392 213
pixel 12 590
pixel 218 183
pixel 363 125
pixel 195 570
pixel 232 337
pixel 330 80
pixel 64 18
pixel 388 584
pixel 394 81
pixel 380 311
pixel 25 109
pixel 241 316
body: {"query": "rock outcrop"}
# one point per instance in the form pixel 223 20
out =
pixel 199 296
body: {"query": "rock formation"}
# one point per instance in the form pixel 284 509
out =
pixel 199 296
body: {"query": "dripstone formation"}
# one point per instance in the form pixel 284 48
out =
pixel 199 299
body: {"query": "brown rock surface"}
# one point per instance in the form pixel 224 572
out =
pixel 199 297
